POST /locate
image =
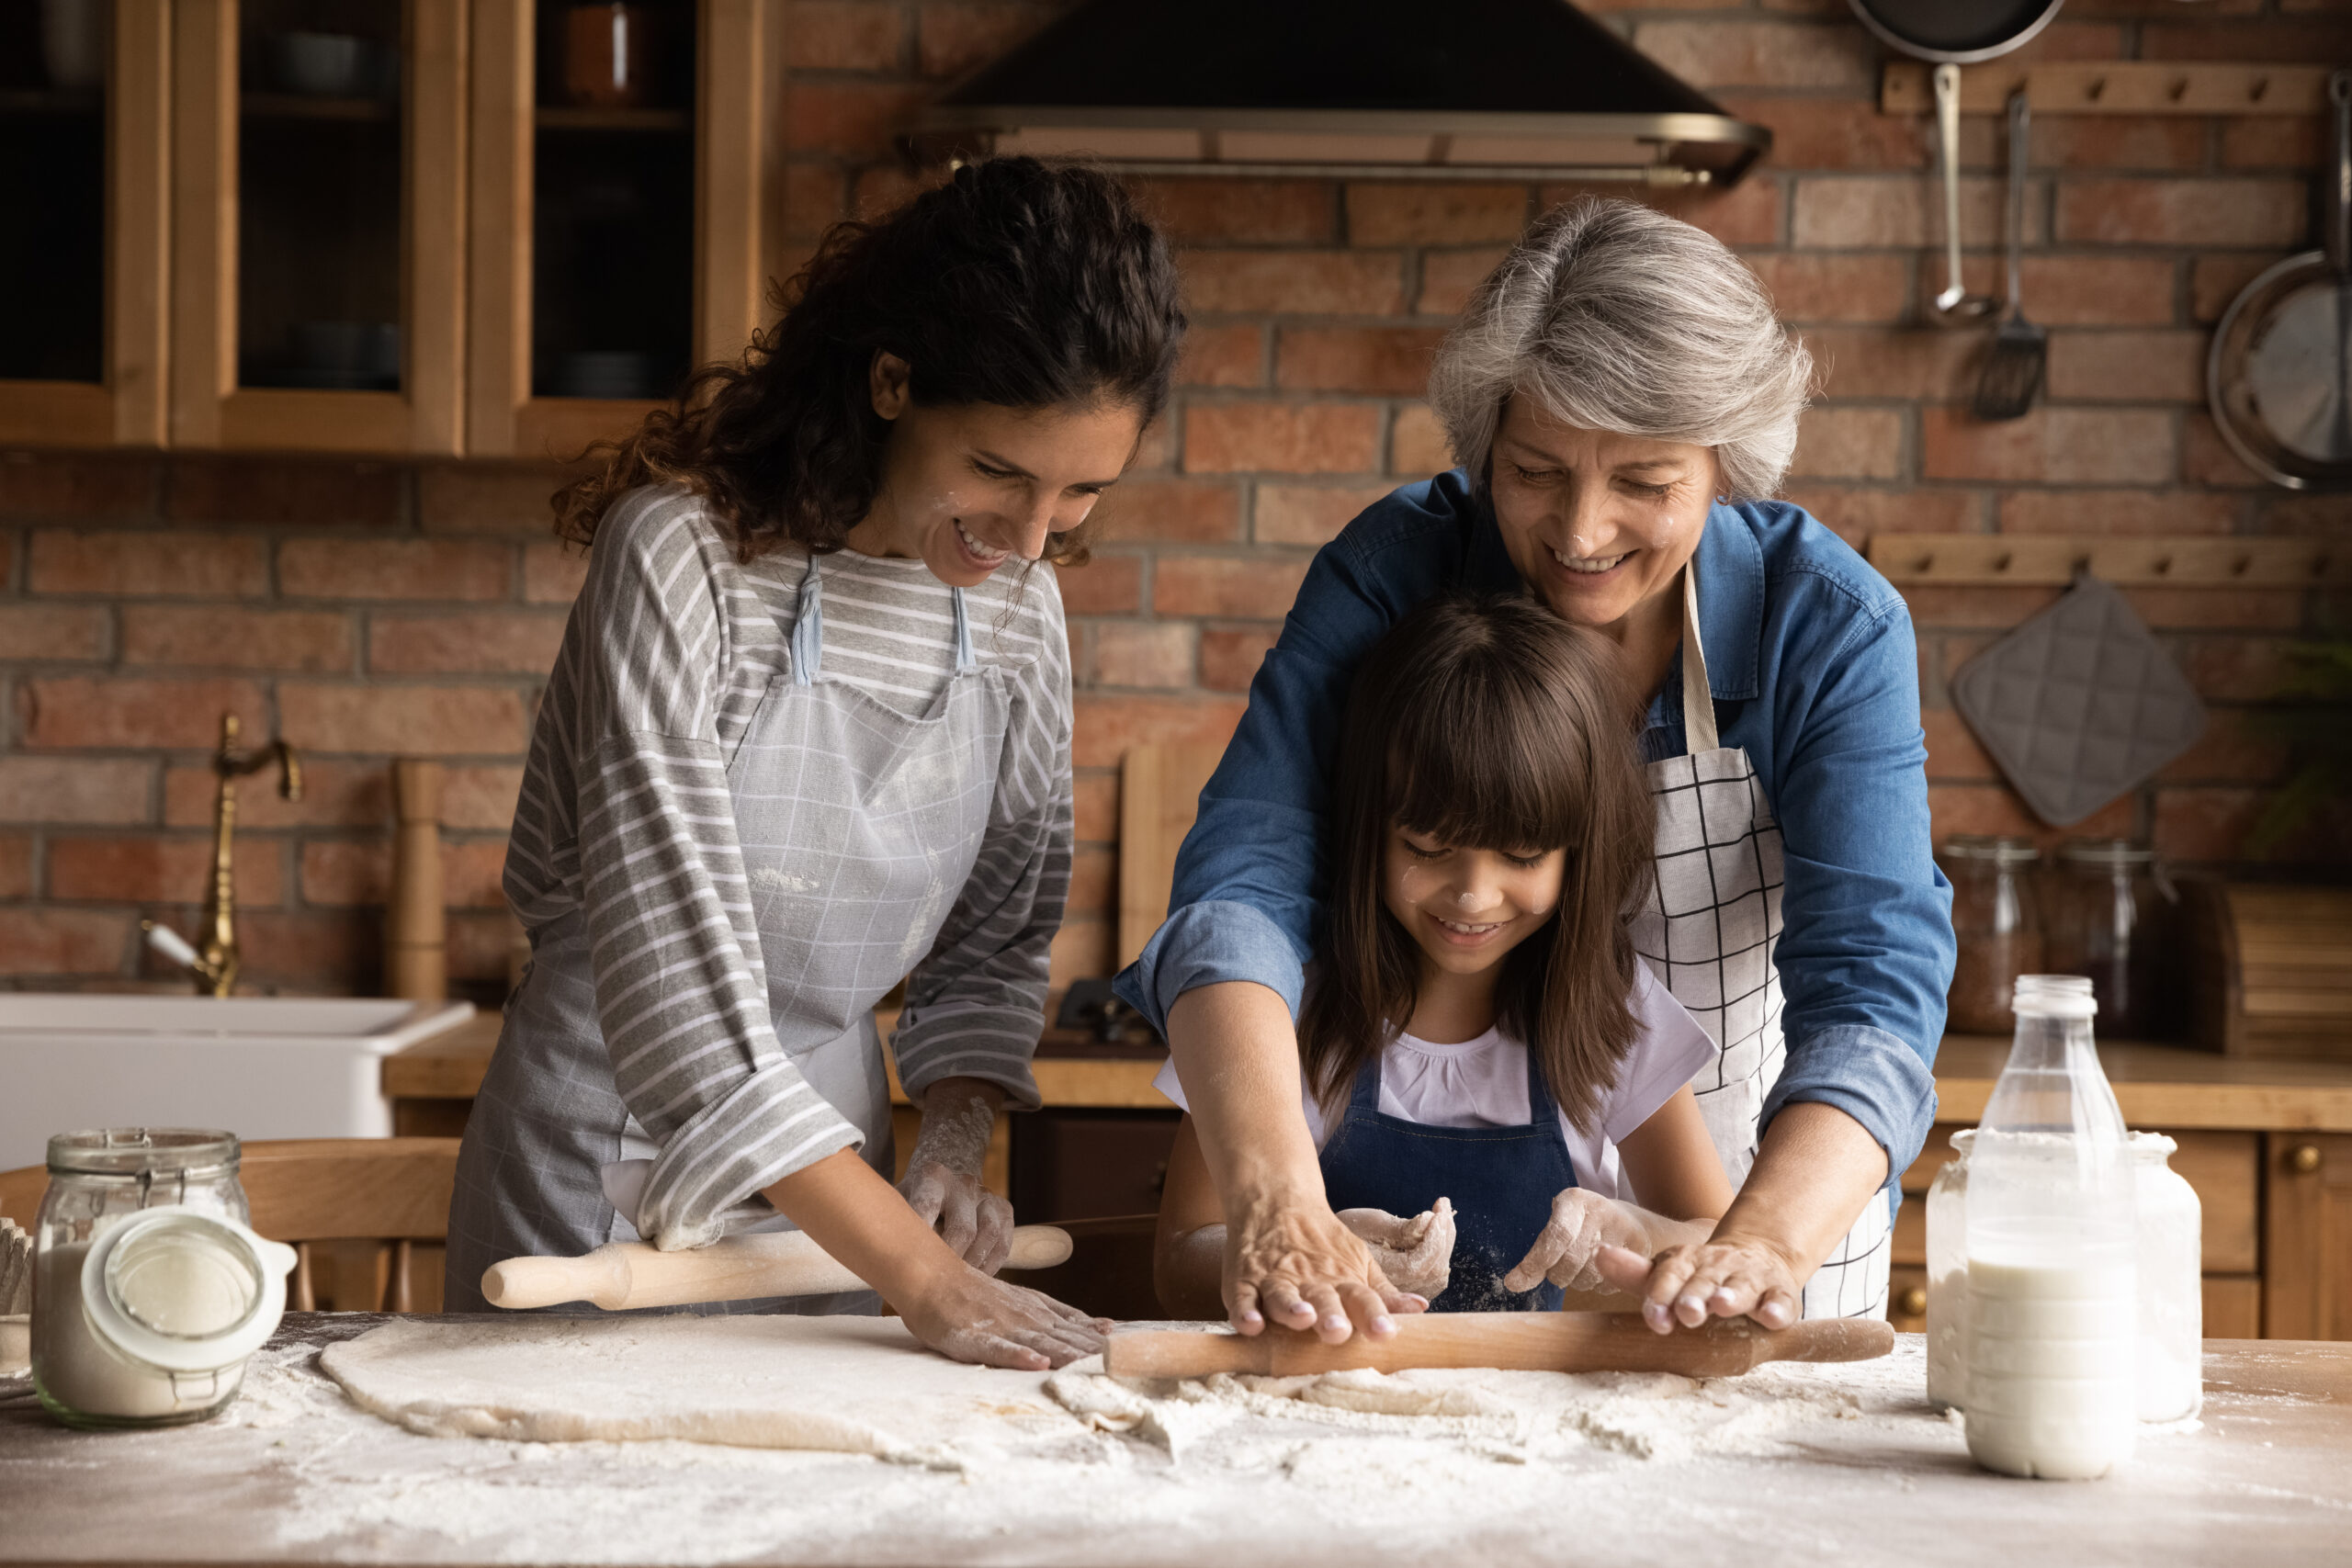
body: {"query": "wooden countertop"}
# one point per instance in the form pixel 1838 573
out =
pixel 2166 1086
pixel 293 1473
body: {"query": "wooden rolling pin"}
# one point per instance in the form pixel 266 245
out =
pixel 1522 1341
pixel 734 1269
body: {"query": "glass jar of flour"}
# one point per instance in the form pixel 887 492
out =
pixel 150 1288
pixel 1948 1277
pixel 2172 1284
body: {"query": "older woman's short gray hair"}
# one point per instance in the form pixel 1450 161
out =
pixel 1615 317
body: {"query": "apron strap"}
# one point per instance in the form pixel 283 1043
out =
pixel 808 627
pixel 964 657
pixel 1698 700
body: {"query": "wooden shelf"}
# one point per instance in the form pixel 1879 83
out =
pixel 658 122
pixel 2134 87
pixel 2051 561
pixel 293 106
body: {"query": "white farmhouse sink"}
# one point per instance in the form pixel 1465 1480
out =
pixel 257 1067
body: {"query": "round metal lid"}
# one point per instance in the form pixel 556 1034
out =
pixel 143 1151
pixel 2000 850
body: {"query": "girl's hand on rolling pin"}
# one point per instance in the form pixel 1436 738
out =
pixel 1690 1284
pixel 1417 1254
pixel 943 1181
pixel 1295 1265
pixel 967 1317
pixel 1568 1248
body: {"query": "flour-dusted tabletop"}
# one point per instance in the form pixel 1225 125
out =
pixel 293 1473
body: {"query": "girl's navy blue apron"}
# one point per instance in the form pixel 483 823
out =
pixel 1501 1180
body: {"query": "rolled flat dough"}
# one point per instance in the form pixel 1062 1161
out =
pixel 847 1385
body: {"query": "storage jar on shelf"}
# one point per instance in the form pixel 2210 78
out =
pixel 2103 915
pixel 1996 925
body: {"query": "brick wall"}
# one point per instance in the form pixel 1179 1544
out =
pixel 366 607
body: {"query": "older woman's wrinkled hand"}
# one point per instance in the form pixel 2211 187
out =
pixel 1727 1276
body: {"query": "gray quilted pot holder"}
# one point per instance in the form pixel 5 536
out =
pixel 2078 704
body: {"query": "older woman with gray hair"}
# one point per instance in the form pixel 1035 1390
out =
pixel 1622 402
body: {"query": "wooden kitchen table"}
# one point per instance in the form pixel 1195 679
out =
pixel 294 1474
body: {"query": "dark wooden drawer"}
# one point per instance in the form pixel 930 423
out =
pixel 1088 1165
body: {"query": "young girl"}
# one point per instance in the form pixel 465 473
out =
pixel 1480 1047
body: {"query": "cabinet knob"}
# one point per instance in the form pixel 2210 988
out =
pixel 1913 1302
pixel 2303 1159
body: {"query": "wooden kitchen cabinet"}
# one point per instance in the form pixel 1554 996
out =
pixel 2307 1184
pixel 84 142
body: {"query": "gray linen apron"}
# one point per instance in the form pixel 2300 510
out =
pixel 859 825
pixel 1708 930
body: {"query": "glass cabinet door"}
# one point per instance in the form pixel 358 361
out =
pixel 617 163
pixel 81 150
pixel 317 244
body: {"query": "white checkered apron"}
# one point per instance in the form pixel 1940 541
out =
pixel 1708 930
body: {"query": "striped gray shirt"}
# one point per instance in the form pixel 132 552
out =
pixel 626 817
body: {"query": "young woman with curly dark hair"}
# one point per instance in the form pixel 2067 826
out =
pixel 809 735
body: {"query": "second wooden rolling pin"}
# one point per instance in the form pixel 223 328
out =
pixel 734 1269
pixel 1520 1341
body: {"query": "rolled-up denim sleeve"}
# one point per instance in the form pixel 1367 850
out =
pixel 1866 947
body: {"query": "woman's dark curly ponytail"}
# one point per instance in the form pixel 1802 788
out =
pixel 1014 282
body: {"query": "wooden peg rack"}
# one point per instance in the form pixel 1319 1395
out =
pixel 2037 560
pixel 2127 86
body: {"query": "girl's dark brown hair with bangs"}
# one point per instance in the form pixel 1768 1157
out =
pixel 1487 724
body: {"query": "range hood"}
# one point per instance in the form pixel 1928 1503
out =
pixel 1431 89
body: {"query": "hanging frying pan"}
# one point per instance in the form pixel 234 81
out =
pixel 2279 376
pixel 1950 34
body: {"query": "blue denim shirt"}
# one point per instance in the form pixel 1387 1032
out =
pixel 1814 672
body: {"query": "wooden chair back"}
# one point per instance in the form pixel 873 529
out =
pixel 1159 794
pixel 392 1191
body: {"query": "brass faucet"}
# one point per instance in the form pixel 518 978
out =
pixel 215 966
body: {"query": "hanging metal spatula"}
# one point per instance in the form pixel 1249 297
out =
pixel 2013 369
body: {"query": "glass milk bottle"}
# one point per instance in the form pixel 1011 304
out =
pixel 2053 1314
pixel 1948 1277
pixel 2172 1284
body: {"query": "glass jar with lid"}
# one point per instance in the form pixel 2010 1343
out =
pixel 2172 1284
pixel 1996 925
pixel 2103 912
pixel 150 1288
pixel 1948 1276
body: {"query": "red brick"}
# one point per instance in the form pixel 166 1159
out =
pixel 2118 511
pixel 2118 141
pixel 1720 53
pixel 1095 801
pixel 1992 608
pixel 60 789
pixel 318 951
pixel 1425 212
pixel 2250 609
pixel 52 632
pixel 1107 585
pixel 886 187
pixel 1953 751
pixel 1144 653
pixel 1924 363
pixel 93 485
pixel 207 566
pixel 488 498
pixel 1394 360
pixel 2236 669
pixel 2270 141
pixel 816 196
pixel 1747 214
pixel 160 870
pixel 2061 446
pixel 1836 133
pixel 1191 511
pixel 1856 514
pixel 1849 442
pixel 2329 516
pixel 2207 459
pixel 1211 211
pixel 2063 291
pixel 1907 212
pixel 2208 824
pixel 346 871
pixel 2242 210
pixel 851 117
pixel 552 573
pixel 394 569
pixel 1288 438
pixel 1106 725
pixel 82 711
pixel 1449 276
pixel 829 35
pixel 1093 882
pixel 1417 445
pixel 1807 287
pixel 1357 283
pixel 481 944
pixel 2215 282
pixel 313 641
pixel 1259 587
pixel 2300 42
pixel 954 39
pixel 403 720
pixel 1232 355
pixel 1084 950
pixel 1231 656
pixel 488 642
pixel 1158 451
pixel 63 941
pixel 480 798
pixel 1979 808
pixel 282 489
pixel 1308 514
pixel 2234 748
pixel 15 865
pixel 2128 367
pixel 335 794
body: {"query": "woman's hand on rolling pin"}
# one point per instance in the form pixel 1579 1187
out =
pixel 943 1181
pixel 1690 1283
pixel 967 1317
pixel 1292 1263
pixel 1416 1255
pixel 1567 1249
